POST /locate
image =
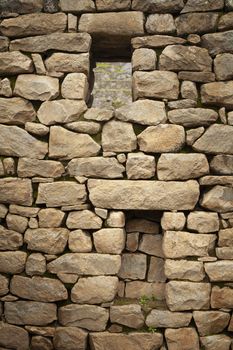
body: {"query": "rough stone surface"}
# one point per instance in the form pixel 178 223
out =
pixel 219 270
pixel 12 262
pixel 193 117
pixel 182 338
pixel 70 338
pixel 118 136
pixel 184 270
pixel 218 93
pixel 109 240
pixel 13 337
pixel 155 41
pixel 221 341
pixel 160 24
pixel 80 241
pixel 173 221
pixel 219 199
pixel 127 315
pixel 210 322
pixel 217 43
pixel 68 63
pixel 158 6
pixel 16 191
pixel 133 266
pixel 144 59
pixel 15 63
pixel 151 244
pixel 10 240
pixel 28 167
pixel 168 319
pixel 84 219
pixel 140 166
pixel 75 86
pixel 223 66
pixel 222 164
pixel 221 297
pixel 196 23
pixel 203 222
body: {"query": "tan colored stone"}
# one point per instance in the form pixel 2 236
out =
pixel 33 24
pixel 38 288
pixel 218 93
pixel 226 238
pixel 151 244
pixel 218 341
pixel 202 6
pixel 38 63
pixel 225 21
pixel 30 312
pixel 12 262
pixel 42 343
pixel 18 191
pixel 42 331
pixel 154 6
pixel 178 244
pixel 4 285
pixel 109 240
pixel 179 57
pixel 98 114
pixel 36 129
pixel 140 166
pixel 17 142
pixel 181 296
pixel 23 211
pixel 116 219
pixel 118 136
pixel 91 128
pixel 219 271
pixel 110 5
pixel 173 221
pixel 70 338
pixel 77 7
pixel 160 24
pixel 36 264
pixel 156 41
pixel 196 23
pixel 199 77
pixel 65 144
pixel 13 337
pixel 28 167
pixel 189 90
pixel 133 266
pixel 156 270
pixel 192 117
pixel 157 85
pixel 47 240
pixel 131 341
pixel 16 223
pixel 221 297
pixel 80 242
pixel 168 319
pixel 5 87
pixel 184 270
pixel 91 317
pixel 16 111
pixel 4 43
pixel 86 264
pixel 60 111
pixel 128 315
pixel 138 289
pixel 145 112
pixel 222 164
pixel 68 63
pixel 50 217
pixel 225 253
pixel 10 240
pixel 144 59
pixel 203 222
pixel 157 195
pixel 182 166
pixel 94 290
pixel 162 138
pixel 211 322
pixel 36 87
pixel 15 63
pixel 84 219
pixel 97 167
pixel 219 199
pixel 61 193
pixel 75 86
pixel 70 42
pixel 182 338
pixel 217 43
pixel 223 66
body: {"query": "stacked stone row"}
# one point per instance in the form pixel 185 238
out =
pixel 78 268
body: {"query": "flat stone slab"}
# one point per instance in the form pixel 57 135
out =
pixel 143 195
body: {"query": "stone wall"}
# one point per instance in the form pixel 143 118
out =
pixel 116 224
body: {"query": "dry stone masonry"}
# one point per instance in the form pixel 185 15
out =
pixel 116 193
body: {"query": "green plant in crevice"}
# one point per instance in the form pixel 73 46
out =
pixel 151 329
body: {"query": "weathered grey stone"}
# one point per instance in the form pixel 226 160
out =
pixel 17 142
pixel 212 140
pixel 162 138
pixel 173 221
pixel 30 312
pixel 155 41
pixel 65 144
pixel 36 129
pixel 109 240
pixel 133 266
pixel 217 43
pixel 182 166
pixel 142 225
pixel 218 93
pixel 196 23
pixel 218 341
pixel 68 63
pixel 15 63
pixel 189 90
pixel 140 166
pixel 98 114
pixel 94 290
pixel 28 167
pixel 179 57
pixel 146 195
pixel 16 191
pixel 165 319
pixel 203 222
pixel 110 5
pixel 97 167
pixel 75 86
pixel 211 322
pixel 91 317
pixel 84 219
pixel 91 128
pixel 33 24
pixel 16 223
pixel 13 337
pixel 77 7
pixel 156 85
pixel 86 264
pixel 4 43
pixel 70 338
pixel 4 285
pixel 178 244
pixel 219 270
pixel 137 289
pixel 5 87
pixel 156 270
pixel 192 117
pixel 184 270
pixel 38 288
pixel 131 341
pixel 219 199
pixel 225 22
pixel 12 262
pixel 223 66
pixel 145 112
pixel 221 297
pixel 181 104
pixel 144 59
pixel 20 6
pixel 222 164
pixel 151 244
pixel 118 136
pixel 181 296
pixel 36 264
pixel 152 6
pixel 182 338
pixel 70 42
pixel 229 4
pixel 80 242
pixel 199 77
pixel 61 193
pixel 60 111
pixel 127 315
pixel 160 24
pixel 47 240
pixel 202 6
